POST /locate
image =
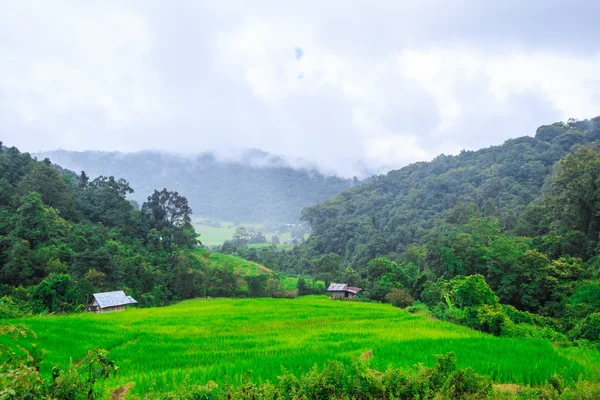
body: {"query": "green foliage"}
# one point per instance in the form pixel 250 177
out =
pixel 399 298
pixel 473 291
pixel 588 328
pixel 584 301
pixel 55 293
pixel 64 237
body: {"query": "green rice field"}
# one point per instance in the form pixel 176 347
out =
pixel 210 339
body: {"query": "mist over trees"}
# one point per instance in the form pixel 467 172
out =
pixel 256 189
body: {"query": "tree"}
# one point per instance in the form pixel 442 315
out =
pixel 47 181
pixel 575 199
pixel 167 209
pixel 327 267
pixel 56 293
pixel 399 298
pixel 302 287
pixel 104 200
pixel 241 236
pixel 169 213
pixel 257 285
pixel 473 291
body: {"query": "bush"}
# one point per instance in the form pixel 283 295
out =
pixel 418 308
pixel 455 315
pixel 533 332
pixel 399 298
pixel 587 329
pixel 465 383
pixel 9 309
pixel 474 291
pixel 487 319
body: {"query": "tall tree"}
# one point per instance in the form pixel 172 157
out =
pixel 167 209
pixel 576 192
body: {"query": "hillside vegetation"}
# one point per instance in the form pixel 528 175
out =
pixel 197 341
pixel 64 237
pixel 256 189
pixel 516 225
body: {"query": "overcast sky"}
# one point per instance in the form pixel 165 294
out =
pixel 341 83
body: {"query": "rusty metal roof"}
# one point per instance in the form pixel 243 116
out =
pixel 113 299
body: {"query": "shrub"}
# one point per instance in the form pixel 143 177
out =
pixel 465 383
pixel 534 332
pixel 418 308
pixel 455 315
pixel 474 291
pixel 587 329
pixel 487 319
pixel 399 298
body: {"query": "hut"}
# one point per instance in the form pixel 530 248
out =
pixel 342 291
pixel 110 302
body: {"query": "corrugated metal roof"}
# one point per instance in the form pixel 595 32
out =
pixel 343 287
pixel 113 299
pixel 336 287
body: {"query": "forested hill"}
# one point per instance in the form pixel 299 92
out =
pixel 257 188
pixel 400 208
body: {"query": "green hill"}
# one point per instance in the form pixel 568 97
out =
pixel 402 207
pixel 202 340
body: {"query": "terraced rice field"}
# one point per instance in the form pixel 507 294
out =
pixel 201 340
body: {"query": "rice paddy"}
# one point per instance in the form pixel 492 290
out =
pixel 201 340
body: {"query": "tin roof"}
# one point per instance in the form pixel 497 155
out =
pixel 337 287
pixel 113 299
pixel 342 287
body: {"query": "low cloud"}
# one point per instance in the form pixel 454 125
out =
pixel 346 86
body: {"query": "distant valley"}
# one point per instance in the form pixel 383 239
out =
pixel 255 188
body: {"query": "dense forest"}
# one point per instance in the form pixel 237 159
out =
pixel 504 239
pixel 257 188
pixel 64 236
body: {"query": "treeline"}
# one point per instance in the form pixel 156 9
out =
pixel 64 237
pixel 524 217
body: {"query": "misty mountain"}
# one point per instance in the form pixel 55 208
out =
pixel 401 208
pixel 254 186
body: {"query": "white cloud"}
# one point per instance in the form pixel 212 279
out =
pixel 380 86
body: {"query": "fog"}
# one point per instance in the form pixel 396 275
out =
pixel 350 87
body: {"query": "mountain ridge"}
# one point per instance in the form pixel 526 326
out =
pixel 257 187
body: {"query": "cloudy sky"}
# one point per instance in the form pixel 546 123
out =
pixel 344 84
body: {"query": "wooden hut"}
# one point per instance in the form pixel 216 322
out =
pixel 342 291
pixel 110 302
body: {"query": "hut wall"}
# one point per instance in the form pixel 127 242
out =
pixel 112 309
pixel 342 295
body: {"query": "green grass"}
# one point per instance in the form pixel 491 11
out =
pixel 209 339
